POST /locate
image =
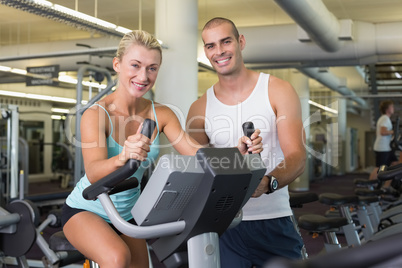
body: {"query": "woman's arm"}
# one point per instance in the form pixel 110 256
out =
pixel 169 124
pixel 94 148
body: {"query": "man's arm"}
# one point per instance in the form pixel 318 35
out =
pixel 291 135
pixel 195 121
pixel 385 132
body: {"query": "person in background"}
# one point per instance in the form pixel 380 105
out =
pixel 273 106
pixel 384 155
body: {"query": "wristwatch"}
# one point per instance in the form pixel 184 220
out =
pixel 272 184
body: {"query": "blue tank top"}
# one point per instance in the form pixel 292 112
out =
pixel 123 201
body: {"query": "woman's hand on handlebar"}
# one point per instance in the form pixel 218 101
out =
pixel 136 147
pixel 252 144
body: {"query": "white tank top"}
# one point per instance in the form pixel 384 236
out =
pixel 223 126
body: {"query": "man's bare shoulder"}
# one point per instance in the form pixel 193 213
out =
pixel 198 106
pixel 277 83
pixel 281 95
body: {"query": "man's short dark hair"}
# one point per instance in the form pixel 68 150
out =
pixel 384 106
pixel 218 21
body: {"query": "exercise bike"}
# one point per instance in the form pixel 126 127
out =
pixel 188 202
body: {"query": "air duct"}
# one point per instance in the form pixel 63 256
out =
pixel 371 43
pixel 314 17
pixel 332 82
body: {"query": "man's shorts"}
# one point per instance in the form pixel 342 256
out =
pixel 253 243
pixel 384 158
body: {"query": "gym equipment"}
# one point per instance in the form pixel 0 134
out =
pixel 382 253
pixel 17 230
pixel 187 203
pixel 20 230
pixel 367 219
pixel 396 142
pixel 328 226
pixel 10 173
pixel 297 200
pixel 80 109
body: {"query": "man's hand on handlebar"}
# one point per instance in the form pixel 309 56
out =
pixel 262 188
pixel 252 144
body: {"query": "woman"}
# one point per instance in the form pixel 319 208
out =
pixel 108 142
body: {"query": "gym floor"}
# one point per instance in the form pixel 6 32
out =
pixel 334 184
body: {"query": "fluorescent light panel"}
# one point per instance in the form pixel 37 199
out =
pixel 66 15
pixel 39 97
pixel 62 77
pixel 55 117
pixel 325 108
pixel 60 110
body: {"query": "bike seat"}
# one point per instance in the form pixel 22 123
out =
pixel 337 199
pixel 313 222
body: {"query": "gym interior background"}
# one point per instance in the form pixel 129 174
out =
pixel 342 56
pixel 349 70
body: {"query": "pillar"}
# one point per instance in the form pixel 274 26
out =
pixel 341 135
pixel 176 24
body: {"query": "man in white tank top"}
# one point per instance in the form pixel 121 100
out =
pixel 273 106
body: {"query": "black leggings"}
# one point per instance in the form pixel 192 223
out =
pixel 68 212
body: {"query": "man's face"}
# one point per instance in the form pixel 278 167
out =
pixel 391 109
pixel 222 49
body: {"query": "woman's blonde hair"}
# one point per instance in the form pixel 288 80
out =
pixel 138 37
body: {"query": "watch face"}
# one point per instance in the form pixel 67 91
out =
pixel 274 184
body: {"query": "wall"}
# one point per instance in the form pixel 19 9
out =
pixel 362 123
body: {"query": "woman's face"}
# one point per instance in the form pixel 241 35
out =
pixel 138 69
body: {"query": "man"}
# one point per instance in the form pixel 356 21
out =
pixel 384 154
pixel 273 106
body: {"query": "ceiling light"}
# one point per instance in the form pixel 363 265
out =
pixel 83 16
pixel 66 15
pixel 12 93
pixel 39 97
pixel 18 71
pixel 55 117
pixel 60 110
pixel 62 77
pixel 5 68
pixel 325 108
pixel 122 29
